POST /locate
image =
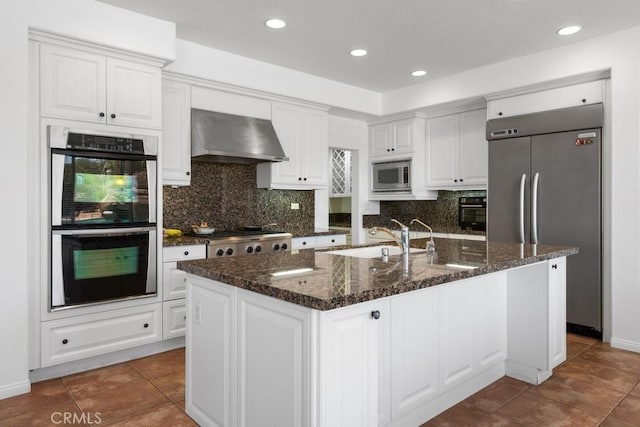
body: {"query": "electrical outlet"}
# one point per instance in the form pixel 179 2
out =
pixel 295 206
pixel 197 313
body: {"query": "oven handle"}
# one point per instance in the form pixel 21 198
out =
pixel 472 206
pixel 103 232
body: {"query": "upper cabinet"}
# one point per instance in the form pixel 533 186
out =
pixel 564 97
pixel 85 86
pixel 176 133
pixel 303 134
pixel 391 139
pixel 457 151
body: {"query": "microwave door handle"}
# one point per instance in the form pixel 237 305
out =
pixel 534 209
pixel 521 213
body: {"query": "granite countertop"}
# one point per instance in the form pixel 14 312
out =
pixel 184 241
pixel 321 232
pixel 327 281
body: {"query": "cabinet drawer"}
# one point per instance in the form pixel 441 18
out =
pixel 303 242
pixel 90 335
pixel 183 253
pixel 334 240
pixel 174 319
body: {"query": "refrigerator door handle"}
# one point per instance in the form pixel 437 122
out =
pixel 534 209
pixel 521 219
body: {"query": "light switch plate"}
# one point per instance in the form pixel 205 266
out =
pixel 295 206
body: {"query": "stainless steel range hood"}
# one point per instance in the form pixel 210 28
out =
pixel 220 137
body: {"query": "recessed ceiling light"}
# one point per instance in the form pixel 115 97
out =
pixel 358 52
pixel 275 23
pixel 418 73
pixel 569 30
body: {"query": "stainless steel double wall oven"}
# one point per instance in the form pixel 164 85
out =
pixel 103 216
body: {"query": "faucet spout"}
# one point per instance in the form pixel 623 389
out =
pixel 431 246
pixel 401 244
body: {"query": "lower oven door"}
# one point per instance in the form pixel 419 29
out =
pixel 92 266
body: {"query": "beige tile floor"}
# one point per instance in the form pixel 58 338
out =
pixel 597 385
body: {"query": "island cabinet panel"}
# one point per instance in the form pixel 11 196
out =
pixel 273 371
pixel 210 358
pixel 557 273
pixel 414 350
pixel 349 363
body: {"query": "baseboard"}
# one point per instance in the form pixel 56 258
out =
pixel 625 344
pixel 10 390
pixel 94 362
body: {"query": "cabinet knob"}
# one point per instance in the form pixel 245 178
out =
pixel 304 243
pixel 461 179
pixel 584 100
pixel 499 113
pixel 305 179
pixel 393 149
pixel 375 314
pixel 388 149
pixel 333 240
pixel 299 179
pixel 186 253
pixel 101 114
pixel 113 116
pixel 455 180
pixel 554 266
pixel 65 341
pixel 146 325
pixel 187 173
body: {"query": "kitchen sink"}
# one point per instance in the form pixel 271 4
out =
pixel 372 251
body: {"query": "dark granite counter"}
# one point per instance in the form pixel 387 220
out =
pixel 184 241
pixel 321 232
pixel 324 281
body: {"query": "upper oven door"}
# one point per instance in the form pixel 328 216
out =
pixel 94 190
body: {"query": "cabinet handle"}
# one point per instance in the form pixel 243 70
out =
pixel 393 149
pixel 461 179
pixel 388 149
pixel 333 240
pixel 375 314
pixel 455 180
pixel 299 179
pixel 184 317
pixel 113 116
pixel 65 341
pixel 584 100
pixel 101 114
pixel 499 113
pixel 146 325
pixel 188 173
pixel 304 243
pixel 305 179
pixel 186 253
pixel 554 266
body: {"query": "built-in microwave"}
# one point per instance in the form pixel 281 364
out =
pixel 391 176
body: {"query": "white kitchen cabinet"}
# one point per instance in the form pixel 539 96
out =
pixel 563 97
pixel 457 151
pixel 274 372
pixel 210 361
pixel 85 86
pixel 79 337
pixel 414 350
pixel 176 133
pixel 322 241
pixel 350 360
pixel 303 133
pixel 174 318
pixel 557 270
pixel 388 140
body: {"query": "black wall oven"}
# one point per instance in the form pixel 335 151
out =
pixel 472 212
pixel 103 216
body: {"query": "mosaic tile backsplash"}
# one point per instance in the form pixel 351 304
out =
pixel 225 196
pixel 441 214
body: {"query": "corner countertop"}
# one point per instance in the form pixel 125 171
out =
pixel 321 232
pixel 184 241
pixel 327 281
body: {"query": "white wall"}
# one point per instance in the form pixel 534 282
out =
pixel 199 61
pixel 619 53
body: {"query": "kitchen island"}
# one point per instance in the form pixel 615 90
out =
pixel 318 338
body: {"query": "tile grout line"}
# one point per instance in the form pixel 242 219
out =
pixel 619 402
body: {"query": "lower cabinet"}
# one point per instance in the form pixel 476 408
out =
pixel 174 319
pixel 398 361
pixel 79 337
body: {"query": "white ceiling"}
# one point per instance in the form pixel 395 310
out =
pixel 441 36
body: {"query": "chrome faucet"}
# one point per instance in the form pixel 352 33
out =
pixel 431 246
pixel 402 242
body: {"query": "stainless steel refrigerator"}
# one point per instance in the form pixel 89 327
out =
pixel 545 187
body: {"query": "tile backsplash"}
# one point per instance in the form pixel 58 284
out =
pixel 441 214
pixel 225 196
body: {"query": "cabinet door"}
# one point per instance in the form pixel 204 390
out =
pixel 457 320
pixel 473 149
pixel 414 350
pixel 314 149
pixel 380 140
pixel 72 84
pixel 351 361
pixel 442 151
pixel 174 319
pixel 174 282
pixel 176 133
pixel 402 137
pixel 492 319
pixel 557 269
pixel 286 121
pixel 210 367
pixel 273 376
pixel 134 92
pixel 304 242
